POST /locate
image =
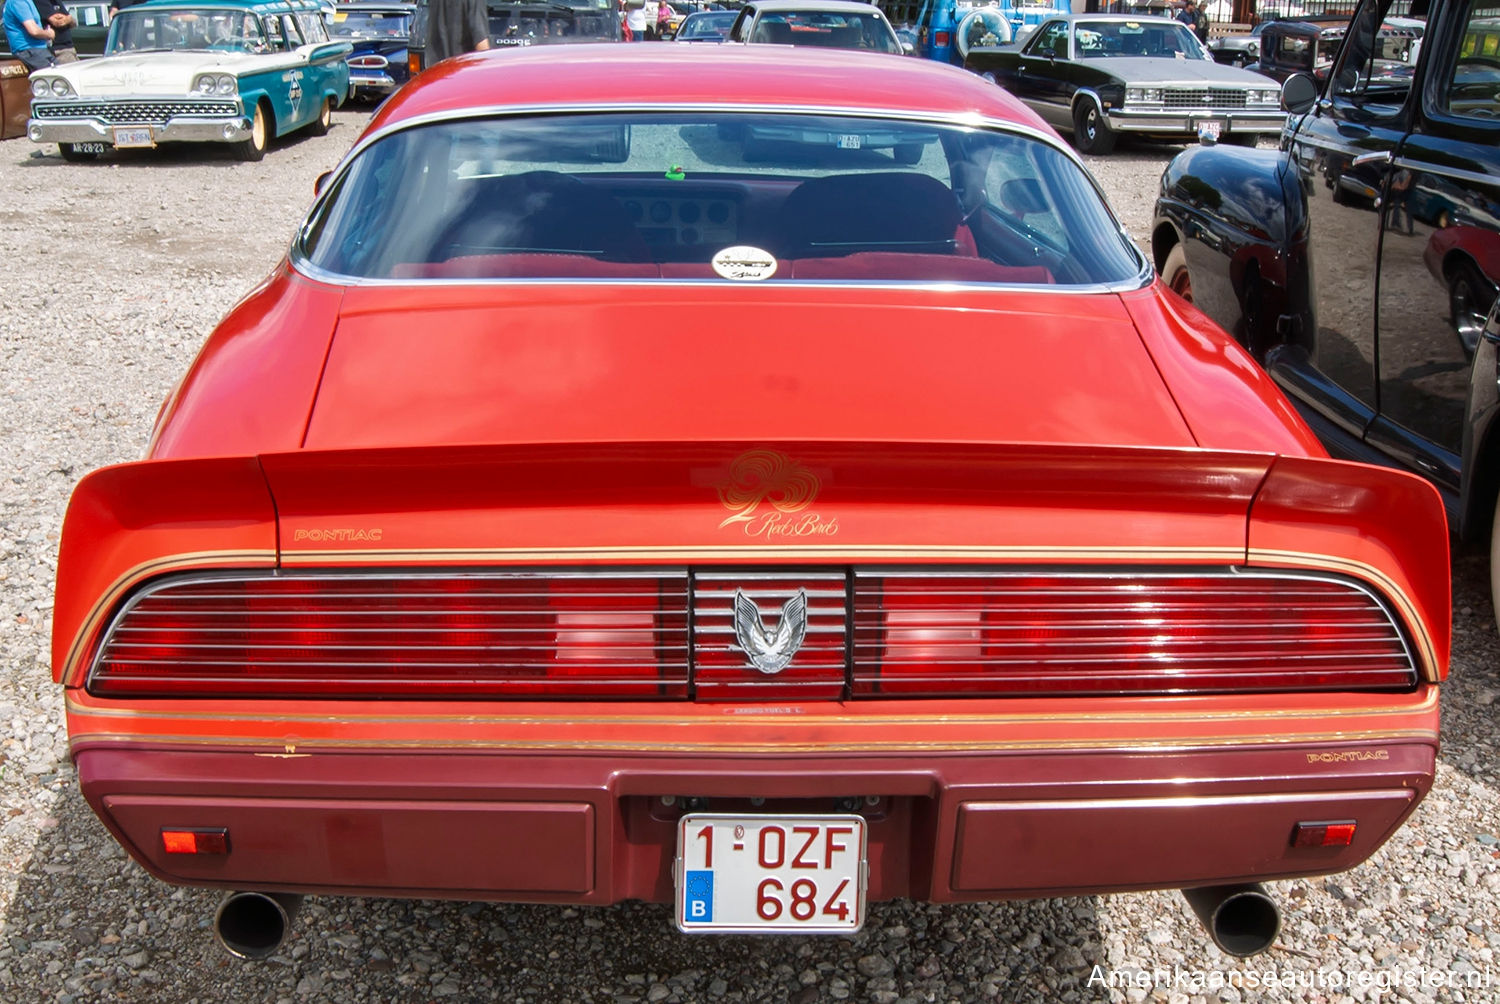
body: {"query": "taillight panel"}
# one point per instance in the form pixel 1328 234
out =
pixel 682 634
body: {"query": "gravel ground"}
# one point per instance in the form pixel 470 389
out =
pixel 119 269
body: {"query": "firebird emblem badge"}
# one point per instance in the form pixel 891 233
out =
pixel 766 476
pixel 767 651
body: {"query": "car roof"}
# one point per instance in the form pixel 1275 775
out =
pixel 803 78
pixel 1120 18
pixel 375 5
pixel 249 6
pixel 858 6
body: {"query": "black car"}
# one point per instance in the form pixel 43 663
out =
pixel 1359 262
pixel 1101 75
pixel 518 23
pixel 379 33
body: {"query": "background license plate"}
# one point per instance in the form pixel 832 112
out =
pixel 763 874
pixel 133 137
pixel 850 141
pixel 1209 130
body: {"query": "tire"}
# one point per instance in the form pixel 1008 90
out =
pixel 907 153
pixel 324 121
pixel 73 154
pixel 254 148
pixel 1175 274
pixel 1091 133
pixel 1470 297
pixel 1495 561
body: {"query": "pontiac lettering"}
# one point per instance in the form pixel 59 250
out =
pixel 338 535
pixel 1349 756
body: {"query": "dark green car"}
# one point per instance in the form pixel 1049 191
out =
pixel 92 27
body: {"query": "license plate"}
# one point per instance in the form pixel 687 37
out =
pixel 1209 130
pixel 134 137
pixel 850 142
pixel 770 874
pixel 91 147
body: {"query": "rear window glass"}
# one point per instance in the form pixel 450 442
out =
pixel 717 196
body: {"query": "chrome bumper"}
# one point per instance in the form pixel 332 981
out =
pixel 181 129
pixel 381 82
pixel 1186 121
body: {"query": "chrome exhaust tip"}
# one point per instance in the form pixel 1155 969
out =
pixel 1242 920
pixel 253 925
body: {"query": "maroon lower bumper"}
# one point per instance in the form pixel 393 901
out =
pixel 601 828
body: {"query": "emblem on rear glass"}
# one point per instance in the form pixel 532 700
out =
pixel 770 652
pixel 745 263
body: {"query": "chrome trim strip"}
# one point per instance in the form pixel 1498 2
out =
pixel 1199 801
pixel 1458 174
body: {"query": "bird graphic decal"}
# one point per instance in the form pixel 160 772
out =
pixel 770 652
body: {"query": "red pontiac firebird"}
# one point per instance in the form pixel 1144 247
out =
pixel 764 482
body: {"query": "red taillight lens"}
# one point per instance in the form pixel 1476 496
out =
pixel 918 635
pixel 195 841
pixel 502 635
pixel 1323 834
pixel 940 38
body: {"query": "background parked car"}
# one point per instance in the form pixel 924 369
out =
pixel 1358 261
pixel 831 24
pixel 379 33
pixel 522 23
pixel 706 26
pixel 1238 50
pixel 1101 75
pixel 92 30
pixel 217 71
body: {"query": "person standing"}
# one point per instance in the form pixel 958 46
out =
pixel 27 35
pixel 663 20
pixel 455 27
pixel 635 21
pixel 61 22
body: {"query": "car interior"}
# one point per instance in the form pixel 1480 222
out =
pixel 963 215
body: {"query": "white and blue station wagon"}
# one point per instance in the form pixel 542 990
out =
pixel 212 71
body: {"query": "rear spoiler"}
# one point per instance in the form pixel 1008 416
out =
pixel 739 504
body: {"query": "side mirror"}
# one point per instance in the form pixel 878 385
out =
pixel 322 180
pixel 1298 93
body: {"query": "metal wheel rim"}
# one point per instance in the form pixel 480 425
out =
pixel 1467 318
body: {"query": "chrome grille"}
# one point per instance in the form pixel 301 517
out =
pixel 135 112
pixel 1203 97
pixel 722 669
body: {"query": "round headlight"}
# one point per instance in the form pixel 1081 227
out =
pixel 204 85
pixel 60 88
pixel 226 85
pixel 40 87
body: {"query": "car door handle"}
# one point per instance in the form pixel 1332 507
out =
pixel 1379 157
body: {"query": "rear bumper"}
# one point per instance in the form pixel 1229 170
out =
pixel 596 827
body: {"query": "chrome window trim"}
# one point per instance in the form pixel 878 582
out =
pixel 967 120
